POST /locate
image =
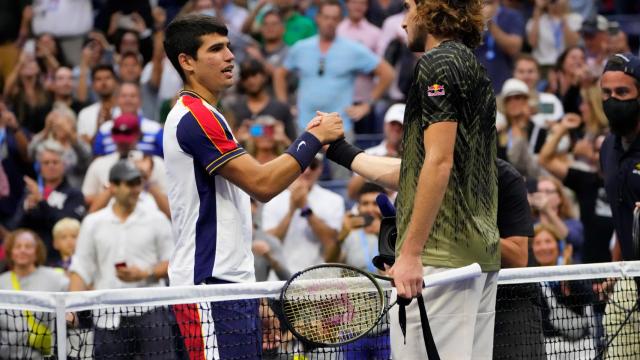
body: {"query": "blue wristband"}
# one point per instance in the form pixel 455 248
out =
pixel 304 149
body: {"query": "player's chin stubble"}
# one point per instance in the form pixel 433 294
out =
pixel 418 41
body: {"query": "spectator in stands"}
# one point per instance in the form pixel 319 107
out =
pixel 126 135
pixel 502 41
pixel 159 79
pixel 14 29
pixel 360 244
pixel 126 246
pixel 551 30
pixel 379 10
pixel 130 70
pixel 296 26
pixel 515 304
pixel 24 90
pixel 61 126
pixel 14 164
pixel 49 54
pixel 273 49
pixel 546 107
pixel 65 233
pixel 257 101
pixel 25 334
pixel 595 33
pixel 67 20
pixel 392 45
pixel 62 89
pixel 116 17
pixel 518 138
pixel 588 185
pixel 391 145
pixel 567 310
pixel 355 27
pixel 553 209
pixel 618 41
pixel 96 51
pixel 50 197
pixel 327 65
pixel 129 102
pixel 306 218
pixel 569 75
pixel 104 83
pixel 264 138
pixel 268 253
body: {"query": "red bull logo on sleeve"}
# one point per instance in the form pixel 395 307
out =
pixel 435 90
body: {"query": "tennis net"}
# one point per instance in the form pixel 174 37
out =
pixel 563 312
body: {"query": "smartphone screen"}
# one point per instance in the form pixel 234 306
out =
pixel 256 130
pixel 546 108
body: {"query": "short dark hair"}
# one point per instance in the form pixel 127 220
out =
pixel 182 36
pixel 370 187
pixel 324 3
pixel 132 54
pixel 103 67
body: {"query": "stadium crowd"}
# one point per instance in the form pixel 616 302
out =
pixel 86 87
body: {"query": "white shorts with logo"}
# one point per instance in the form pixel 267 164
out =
pixel 461 316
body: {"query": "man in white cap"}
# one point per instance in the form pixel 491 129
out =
pixel 391 145
pixel 518 137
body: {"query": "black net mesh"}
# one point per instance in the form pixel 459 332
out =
pixel 577 319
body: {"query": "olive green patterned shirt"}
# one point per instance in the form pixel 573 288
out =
pixel 450 85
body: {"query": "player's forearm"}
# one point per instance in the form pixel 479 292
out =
pixel 384 171
pixel 513 251
pixel 430 191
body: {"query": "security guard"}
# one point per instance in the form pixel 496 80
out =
pixel 620 152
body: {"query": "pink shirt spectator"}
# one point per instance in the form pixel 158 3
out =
pixel 391 30
pixel 367 34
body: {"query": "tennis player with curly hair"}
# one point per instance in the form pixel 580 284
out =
pixel 447 180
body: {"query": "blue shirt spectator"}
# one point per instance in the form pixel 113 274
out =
pixel 496 54
pixel 327 79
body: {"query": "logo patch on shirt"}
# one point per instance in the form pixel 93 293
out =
pixel 636 169
pixel 435 90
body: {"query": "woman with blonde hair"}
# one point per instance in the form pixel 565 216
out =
pixel 553 209
pixel 26 334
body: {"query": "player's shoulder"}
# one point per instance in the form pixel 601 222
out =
pixel 448 55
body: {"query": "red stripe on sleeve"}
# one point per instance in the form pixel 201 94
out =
pixel 210 124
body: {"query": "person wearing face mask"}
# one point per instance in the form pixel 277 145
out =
pixel 620 162
pixel 620 152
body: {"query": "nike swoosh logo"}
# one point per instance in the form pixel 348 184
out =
pixel 300 144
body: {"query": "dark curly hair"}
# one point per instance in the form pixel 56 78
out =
pixel 452 19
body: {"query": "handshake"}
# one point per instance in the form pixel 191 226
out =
pixel 329 130
pixel 327 127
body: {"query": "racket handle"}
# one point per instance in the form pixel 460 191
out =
pixel 386 207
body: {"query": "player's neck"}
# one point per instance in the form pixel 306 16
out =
pixel 433 42
pixel 209 96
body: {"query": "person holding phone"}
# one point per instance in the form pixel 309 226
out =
pixel 361 242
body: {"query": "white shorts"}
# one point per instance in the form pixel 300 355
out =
pixel 461 316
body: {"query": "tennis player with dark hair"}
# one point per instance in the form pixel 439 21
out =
pixel 448 187
pixel 210 179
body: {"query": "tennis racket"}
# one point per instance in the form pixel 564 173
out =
pixel 335 304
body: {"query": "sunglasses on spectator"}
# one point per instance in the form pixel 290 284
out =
pixel 321 66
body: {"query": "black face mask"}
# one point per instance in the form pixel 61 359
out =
pixel 623 115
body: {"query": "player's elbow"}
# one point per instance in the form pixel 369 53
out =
pixel 263 193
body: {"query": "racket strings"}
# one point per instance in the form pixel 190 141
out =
pixel 332 306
